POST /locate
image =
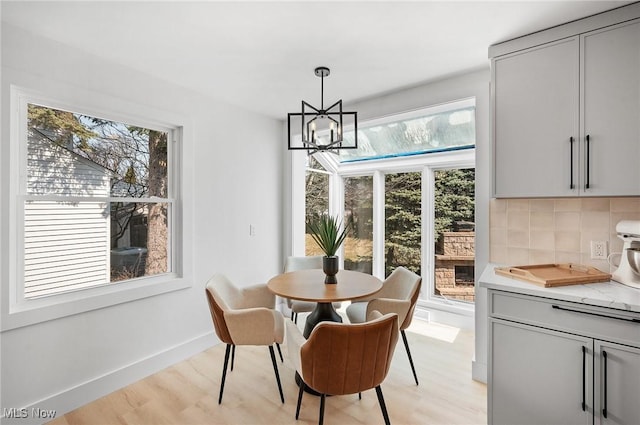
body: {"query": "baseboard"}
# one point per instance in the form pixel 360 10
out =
pixel 58 404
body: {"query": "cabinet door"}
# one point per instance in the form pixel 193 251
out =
pixel 611 96
pixel 617 384
pixel 538 376
pixel 535 114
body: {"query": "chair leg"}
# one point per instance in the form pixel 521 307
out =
pixel 302 385
pixel 224 371
pixel 275 369
pixel 322 397
pixel 406 346
pixel 292 315
pixel 383 406
pixel 359 396
pixel 295 320
pixel 233 356
pixel 280 352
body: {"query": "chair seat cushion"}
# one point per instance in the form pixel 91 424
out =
pixel 307 306
pixel 357 312
pixel 302 306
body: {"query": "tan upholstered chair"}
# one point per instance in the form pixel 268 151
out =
pixel 344 358
pixel 399 295
pixel 293 264
pixel 244 316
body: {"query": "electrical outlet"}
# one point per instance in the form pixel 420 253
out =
pixel 599 250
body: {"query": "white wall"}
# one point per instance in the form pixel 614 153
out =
pixel 475 83
pixel 232 179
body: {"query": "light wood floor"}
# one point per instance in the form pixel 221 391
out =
pixel 187 393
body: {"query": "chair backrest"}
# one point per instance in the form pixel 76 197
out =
pixel 293 264
pixel 219 291
pixel 402 284
pixel 344 358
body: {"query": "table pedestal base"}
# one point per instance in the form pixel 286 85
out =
pixel 324 312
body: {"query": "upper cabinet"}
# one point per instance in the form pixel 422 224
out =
pixel 566 110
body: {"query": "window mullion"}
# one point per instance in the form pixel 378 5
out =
pixel 378 224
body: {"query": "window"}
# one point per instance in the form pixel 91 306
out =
pixel 316 199
pixel 409 192
pixel 454 228
pixel 358 209
pixel 96 220
pixel 95 202
pixel 403 221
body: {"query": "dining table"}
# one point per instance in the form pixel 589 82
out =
pixel 308 285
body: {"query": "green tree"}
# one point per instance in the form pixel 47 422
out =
pixel 403 209
pixel 454 199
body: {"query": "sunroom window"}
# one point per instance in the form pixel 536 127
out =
pixel 408 191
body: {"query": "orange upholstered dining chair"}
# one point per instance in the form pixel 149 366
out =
pixel 399 294
pixel 244 316
pixel 344 358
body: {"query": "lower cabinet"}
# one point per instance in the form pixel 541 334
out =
pixel 546 366
pixel 617 379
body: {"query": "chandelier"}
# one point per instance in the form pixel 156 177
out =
pixel 320 129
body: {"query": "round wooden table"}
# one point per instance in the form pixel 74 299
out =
pixel 308 285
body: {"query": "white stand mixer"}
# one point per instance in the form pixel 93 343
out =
pixel 628 272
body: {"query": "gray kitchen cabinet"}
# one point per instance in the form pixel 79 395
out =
pixel 558 362
pixel 565 111
pixel 611 109
pixel 535 113
pixel 539 376
pixel 617 376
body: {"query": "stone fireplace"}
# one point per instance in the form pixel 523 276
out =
pixel 454 266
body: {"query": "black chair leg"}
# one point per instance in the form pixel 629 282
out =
pixel 359 396
pixel 406 346
pixel 383 406
pixel 275 369
pixel 224 371
pixel 292 315
pixel 322 397
pixel 295 320
pixel 302 385
pixel 233 356
pixel 280 352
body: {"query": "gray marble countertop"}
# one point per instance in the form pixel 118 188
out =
pixel 606 294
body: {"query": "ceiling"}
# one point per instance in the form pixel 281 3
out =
pixel 261 55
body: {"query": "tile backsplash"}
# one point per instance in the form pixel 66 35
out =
pixel 534 231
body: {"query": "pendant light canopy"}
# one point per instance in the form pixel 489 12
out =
pixel 319 129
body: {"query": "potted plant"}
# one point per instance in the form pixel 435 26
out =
pixel 325 230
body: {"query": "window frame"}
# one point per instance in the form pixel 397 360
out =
pixel 426 164
pixel 19 311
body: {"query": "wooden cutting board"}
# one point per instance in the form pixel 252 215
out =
pixel 549 275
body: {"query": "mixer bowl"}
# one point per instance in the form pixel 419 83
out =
pixel 633 256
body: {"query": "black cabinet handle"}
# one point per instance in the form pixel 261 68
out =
pixel 586 186
pixel 604 409
pixel 584 386
pixel 571 185
pixel 634 320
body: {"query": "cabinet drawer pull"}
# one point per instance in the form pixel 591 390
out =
pixel 584 385
pixel 571 185
pixel 634 320
pixel 586 186
pixel 604 407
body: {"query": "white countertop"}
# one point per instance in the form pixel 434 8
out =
pixel 606 294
